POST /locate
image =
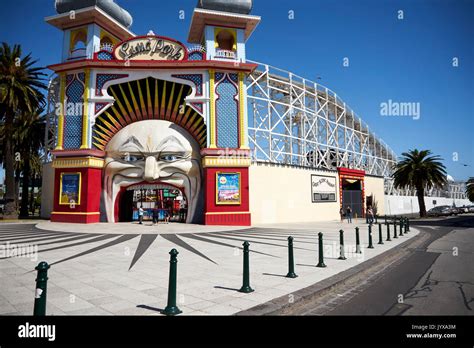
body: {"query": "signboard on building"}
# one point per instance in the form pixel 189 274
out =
pixel 150 48
pixel 323 188
pixel 70 188
pixel 227 188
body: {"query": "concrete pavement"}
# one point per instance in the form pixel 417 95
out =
pixel 122 270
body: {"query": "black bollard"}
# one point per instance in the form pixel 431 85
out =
pixel 171 308
pixel 401 227
pixel 408 224
pixel 246 279
pixel 358 251
pixel 41 286
pixel 388 233
pixel 341 245
pixel 291 261
pixel 371 246
pixel 395 229
pixel 380 234
pixel 321 255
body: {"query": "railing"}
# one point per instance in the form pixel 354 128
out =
pixel 226 54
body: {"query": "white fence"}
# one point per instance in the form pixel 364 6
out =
pixel 395 205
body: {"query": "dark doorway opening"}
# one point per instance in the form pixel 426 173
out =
pixel 126 205
pixel 352 196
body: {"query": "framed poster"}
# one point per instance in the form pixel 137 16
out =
pixel 323 188
pixel 227 188
pixel 70 189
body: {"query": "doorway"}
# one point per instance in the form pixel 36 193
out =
pixel 352 196
pixel 168 201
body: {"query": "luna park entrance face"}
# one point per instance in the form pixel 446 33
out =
pixel 165 201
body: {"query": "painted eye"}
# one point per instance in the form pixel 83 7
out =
pixel 132 158
pixel 169 158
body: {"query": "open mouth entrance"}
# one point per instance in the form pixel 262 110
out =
pixel 160 203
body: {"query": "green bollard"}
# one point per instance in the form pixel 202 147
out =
pixel 246 280
pixel 171 308
pixel 341 245
pixel 321 255
pixel 395 229
pixel 41 286
pixel 291 261
pixel 388 233
pixel 380 234
pixel 358 251
pixel 371 246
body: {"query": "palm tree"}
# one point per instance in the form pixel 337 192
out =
pixel 29 132
pixel 470 189
pixel 419 170
pixel 20 85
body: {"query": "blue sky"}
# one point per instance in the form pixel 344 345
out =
pixel 408 60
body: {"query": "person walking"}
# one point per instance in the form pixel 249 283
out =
pixel 341 213
pixel 349 214
pixel 370 215
pixel 140 215
pixel 155 215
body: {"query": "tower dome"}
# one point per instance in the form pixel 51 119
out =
pixel 235 6
pixel 109 6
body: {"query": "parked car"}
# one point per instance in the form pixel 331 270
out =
pixel 471 208
pixel 442 210
pixel 463 209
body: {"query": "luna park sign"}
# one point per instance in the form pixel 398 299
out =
pixel 150 48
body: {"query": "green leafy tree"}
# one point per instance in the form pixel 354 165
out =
pixel 419 170
pixel 20 92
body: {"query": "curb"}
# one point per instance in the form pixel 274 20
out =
pixel 280 305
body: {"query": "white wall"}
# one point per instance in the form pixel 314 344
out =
pixel 47 191
pixel 395 205
pixel 375 186
pixel 280 194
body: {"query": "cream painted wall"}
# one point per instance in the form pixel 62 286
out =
pixel 374 186
pixel 283 194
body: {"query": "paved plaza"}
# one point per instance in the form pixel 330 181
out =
pixel 122 269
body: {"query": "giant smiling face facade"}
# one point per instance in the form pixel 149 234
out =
pixel 153 151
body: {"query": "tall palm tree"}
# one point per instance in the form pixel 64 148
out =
pixel 419 170
pixel 20 86
pixel 29 132
pixel 470 189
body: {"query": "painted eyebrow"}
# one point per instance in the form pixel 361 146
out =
pixel 133 141
pixel 171 137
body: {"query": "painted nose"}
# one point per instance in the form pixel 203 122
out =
pixel 150 168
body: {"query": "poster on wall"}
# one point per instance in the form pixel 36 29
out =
pixel 70 189
pixel 227 188
pixel 323 188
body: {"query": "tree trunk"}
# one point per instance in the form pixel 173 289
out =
pixel 420 193
pixel 32 194
pixel 10 211
pixel 25 185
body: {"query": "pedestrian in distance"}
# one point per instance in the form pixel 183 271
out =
pixel 341 213
pixel 370 215
pixel 140 215
pixel 155 215
pixel 349 214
